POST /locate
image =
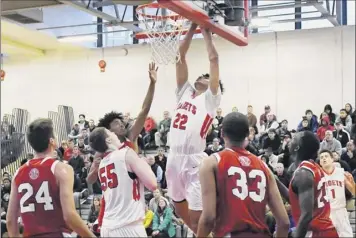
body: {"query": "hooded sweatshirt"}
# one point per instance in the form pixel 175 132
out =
pixel 323 128
pixel 332 145
pixel 332 115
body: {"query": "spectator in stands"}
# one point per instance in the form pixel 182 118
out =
pixel 325 126
pixel 85 171
pixel 234 109
pixel 263 117
pixel 305 125
pixel 345 120
pixel 330 143
pixel 284 156
pixel 271 123
pixel 282 174
pixel 5 192
pixel 349 110
pixel 77 162
pixel 283 130
pixel 211 135
pixel 91 125
pixel 272 141
pixel 252 119
pixel 83 124
pixel 349 156
pixel 329 112
pixel 128 120
pixel 150 129
pixel 219 116
pixel 161 135
pixel 312 122
pixel 341 135
pixel 253 138
pixel 74 133
pixel 161 159
pixel 94 212
pixel 272 158
pixel 69 151
pixel 147 222
pixel 85 136
pixel 157 170
pixel 63 147
pixel 153 204
pixel 162 226
pixel 83 148
pixel 215 147
pixel 343 164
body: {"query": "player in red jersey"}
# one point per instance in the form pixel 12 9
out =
pixel 42 191
pixel 307 190
pixel 236 187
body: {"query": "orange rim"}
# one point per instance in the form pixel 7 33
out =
pixel 139 11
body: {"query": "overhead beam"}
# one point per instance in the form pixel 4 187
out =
pixel 102 15
pixel 10 46
pixel 324 12
pixel 15 5
pixel 278 6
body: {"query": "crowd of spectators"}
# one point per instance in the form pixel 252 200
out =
pixel 269 139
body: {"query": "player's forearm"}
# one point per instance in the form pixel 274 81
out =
pixel 212 52
pixel 303 224
pixel 78 225
pixel 205 226
pixel 12 227
pixel 93 174
pixel 282 189
pixel 282 229
pixel 185 44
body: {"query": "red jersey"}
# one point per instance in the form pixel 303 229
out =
pixel 321 214
pixel 242 182
pixel 38 193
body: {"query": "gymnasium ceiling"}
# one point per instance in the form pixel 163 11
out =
pixel 30 28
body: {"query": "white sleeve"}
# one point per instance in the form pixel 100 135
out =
pixel 180 91
pixel 212 102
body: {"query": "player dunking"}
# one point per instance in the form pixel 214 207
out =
pixel 123 192
pixel 42 191
pixel 307 190
pixel 236 187
pixel 337 180
pixel 193 116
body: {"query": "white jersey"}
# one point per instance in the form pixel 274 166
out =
pixel 336 188
pixel 124 197
pixel 193 117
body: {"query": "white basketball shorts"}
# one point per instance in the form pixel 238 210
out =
pixel 182 174
pixel 134 230
pixel 340 219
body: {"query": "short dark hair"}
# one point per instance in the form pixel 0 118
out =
pixel 309 145
pixel 108 118
pixel 97 140
pixel 235 127
pixel 309 111
pixel 39 133
pixel 207 76
pixel 82 115
pixel 343 110
pixel 326 151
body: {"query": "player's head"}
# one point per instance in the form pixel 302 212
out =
pixel 304 146
pixel 114 122
pixel 326 159
pixel 41 137
pixel 202 83
pixel 103 140
pixel 235 129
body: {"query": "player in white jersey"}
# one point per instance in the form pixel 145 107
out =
pixel 193 117
pixel 337 180
pixel 122 175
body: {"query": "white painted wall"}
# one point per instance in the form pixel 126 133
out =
pixel 291 71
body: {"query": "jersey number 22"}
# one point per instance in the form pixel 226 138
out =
pixel 181 120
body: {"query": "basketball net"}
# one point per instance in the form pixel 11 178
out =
pixel 163 34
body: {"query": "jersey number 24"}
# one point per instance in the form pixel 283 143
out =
pixel 108 179
pixel 42 197
pixel 243 189
pixel 181 120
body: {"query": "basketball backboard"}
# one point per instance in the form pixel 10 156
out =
pixel 197 11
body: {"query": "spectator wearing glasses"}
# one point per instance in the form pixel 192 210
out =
pixel 215 147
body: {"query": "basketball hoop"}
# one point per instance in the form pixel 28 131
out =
pixel 163 31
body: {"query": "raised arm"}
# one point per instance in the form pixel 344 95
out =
pixel 93 172
pixel 141 168
pixel 276 205
pixel 181 66
pixel 214 62
pixel 208 188
pixel 136 128
pixel 303 184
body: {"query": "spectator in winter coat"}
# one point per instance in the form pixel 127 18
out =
pixel 329 111
pixel 341 135
pixel 349 111
pixel 330 143
pixel 325 126
pixel 283 130
pixel 345 120
pixel 304 125
pixel 312 121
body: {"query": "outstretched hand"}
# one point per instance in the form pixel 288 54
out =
pixel 152 71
